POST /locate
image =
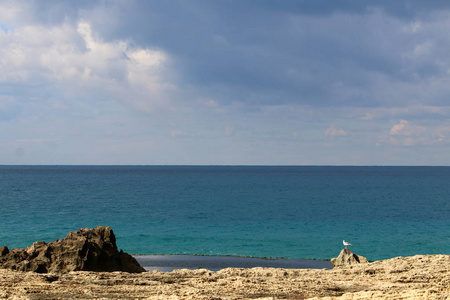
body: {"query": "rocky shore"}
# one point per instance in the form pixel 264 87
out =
pixel 83 250
pixel 417 277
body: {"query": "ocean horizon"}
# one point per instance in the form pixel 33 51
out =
pixel 298 212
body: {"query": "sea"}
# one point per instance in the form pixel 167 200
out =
pixel 299 212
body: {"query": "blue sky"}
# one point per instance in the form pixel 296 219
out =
pixel 225 82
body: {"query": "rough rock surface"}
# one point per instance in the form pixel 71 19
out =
pixel 417 277
pixel 83 250
pixel 347 258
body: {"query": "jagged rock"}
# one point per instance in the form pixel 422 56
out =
pixel 4 250
pixel 346 258
pixel 83 250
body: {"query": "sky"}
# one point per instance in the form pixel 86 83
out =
pixel 226 82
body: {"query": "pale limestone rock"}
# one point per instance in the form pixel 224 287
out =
pixel 347 258
pixel 423 277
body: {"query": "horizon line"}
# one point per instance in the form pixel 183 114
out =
pixel 213 165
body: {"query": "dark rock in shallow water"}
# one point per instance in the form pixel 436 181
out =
pixel 346 258
pixel 83 250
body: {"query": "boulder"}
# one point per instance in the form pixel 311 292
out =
pixel 84 250
pixel 347 258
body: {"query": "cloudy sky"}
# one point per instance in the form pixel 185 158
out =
pixel 338 82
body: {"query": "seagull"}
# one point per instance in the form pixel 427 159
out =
pixel 346 244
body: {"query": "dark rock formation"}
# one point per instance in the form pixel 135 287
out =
pixel 83 250
pixel 346 258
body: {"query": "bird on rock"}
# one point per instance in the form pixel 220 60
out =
pixel 346 244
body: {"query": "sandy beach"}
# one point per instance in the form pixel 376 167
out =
pixel 417 277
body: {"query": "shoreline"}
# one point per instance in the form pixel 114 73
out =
pixel 416 277
pixel 168 263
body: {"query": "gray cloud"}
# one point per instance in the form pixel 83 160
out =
pixel 319 53
pixel 240 78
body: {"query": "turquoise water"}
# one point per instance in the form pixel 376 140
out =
pixel 293 212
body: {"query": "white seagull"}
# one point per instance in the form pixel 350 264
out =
pixel 346 244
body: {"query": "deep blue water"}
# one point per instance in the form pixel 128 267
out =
pixel 295 212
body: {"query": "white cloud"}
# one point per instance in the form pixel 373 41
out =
pixel 209 103
pixel 406 134
pixel 335 131
pixel 9 12
pixel 408 111
pixel 180 133
pixel 404 128
pixel 72 57
pixel 442 134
